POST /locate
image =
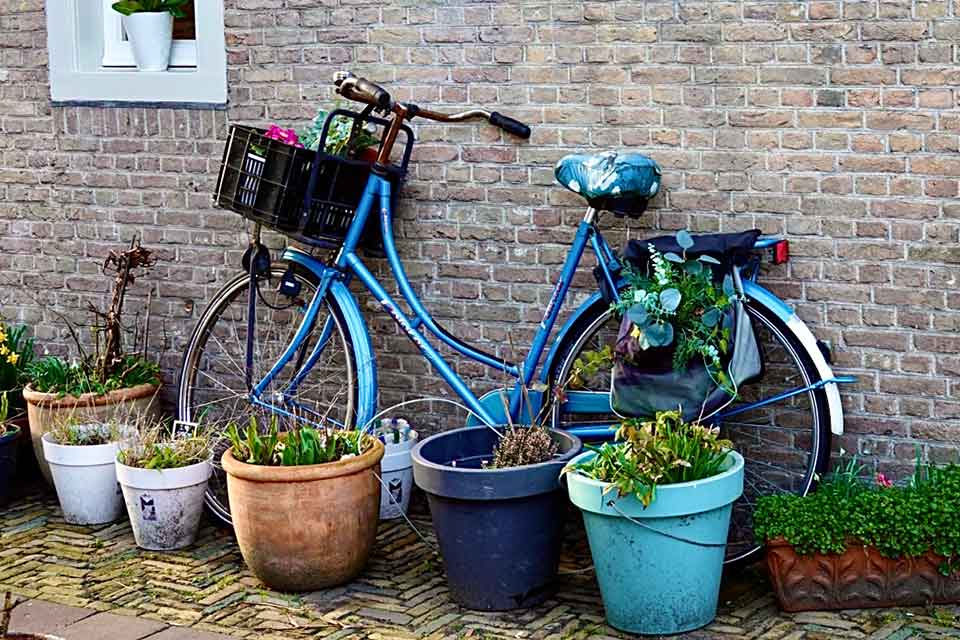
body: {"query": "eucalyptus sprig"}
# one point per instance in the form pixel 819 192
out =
pixel 676 302
pixel 129 7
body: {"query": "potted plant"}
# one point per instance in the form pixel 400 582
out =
pixel 396 479
pixel 855 543
pixel 81 459
pixel 498 509
pixel 683 321
pixel 149 27
pixel 656 507
pixel 9 435
pixel 109 385
pixel 163 473
pixel 343 138
pixel 16 356
pixel 304 503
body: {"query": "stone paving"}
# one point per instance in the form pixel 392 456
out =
pixel 87 583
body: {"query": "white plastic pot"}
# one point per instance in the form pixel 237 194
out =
pixel 86 481
pixel 164 505
pixel 396 470
pixel 151 36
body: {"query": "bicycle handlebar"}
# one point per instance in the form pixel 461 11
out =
pixel 362 90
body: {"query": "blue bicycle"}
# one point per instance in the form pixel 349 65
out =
pixel 288 336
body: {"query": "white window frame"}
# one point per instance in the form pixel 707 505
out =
pixel 76 39
pixel 117 51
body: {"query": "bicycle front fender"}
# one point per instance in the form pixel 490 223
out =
pixel 802 332
pixel 356 328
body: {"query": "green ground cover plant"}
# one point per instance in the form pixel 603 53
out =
pixel 899 520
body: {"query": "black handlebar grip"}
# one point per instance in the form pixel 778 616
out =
pixel 511 126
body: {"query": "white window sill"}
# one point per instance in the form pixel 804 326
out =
pixel 76 44
pixel 183 87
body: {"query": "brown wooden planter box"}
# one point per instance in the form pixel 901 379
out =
pixel 859 578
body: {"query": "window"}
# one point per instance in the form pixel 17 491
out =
pixel 91 61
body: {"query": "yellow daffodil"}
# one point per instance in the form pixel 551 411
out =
pixel 4 350
pixel 13 358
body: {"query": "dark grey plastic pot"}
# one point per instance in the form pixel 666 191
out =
pixel 499 530
pixel 9 441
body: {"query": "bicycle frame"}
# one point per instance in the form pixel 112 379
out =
pixel 348 263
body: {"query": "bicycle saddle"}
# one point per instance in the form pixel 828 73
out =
pixel 622 183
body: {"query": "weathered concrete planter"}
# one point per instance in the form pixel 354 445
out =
pixel 858 578
pixel 85 478
pixel 659 567
pixel 46 409
pixel 306 528
pixel 164 505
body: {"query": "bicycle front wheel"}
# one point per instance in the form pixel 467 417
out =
pixel 785 443
pixel 214 387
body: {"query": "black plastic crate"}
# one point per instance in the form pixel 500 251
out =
pixel 262 179
pixel 268 181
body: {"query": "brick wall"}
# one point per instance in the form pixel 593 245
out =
pixel 834 122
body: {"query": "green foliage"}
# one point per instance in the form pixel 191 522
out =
pixel 129 7
pixel 75 434
pixel 16 355
pixel 664 450
pixel 589 364
pixel 676 302
pixel 338 135
pixel 54 375
pixel 899 521
pixel 157 445
pixel 524 445
pixel 298 447
pixel 5 414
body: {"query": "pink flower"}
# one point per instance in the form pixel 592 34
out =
pixel 286 136
pixel 883 481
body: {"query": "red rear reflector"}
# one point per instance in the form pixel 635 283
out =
pixel 781 252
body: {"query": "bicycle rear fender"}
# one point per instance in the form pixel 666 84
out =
pixel 356 326
pixel 809 342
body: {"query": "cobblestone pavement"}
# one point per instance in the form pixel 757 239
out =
pixel 400 595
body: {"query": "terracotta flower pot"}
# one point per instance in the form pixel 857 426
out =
pixel 858 578
pixel 306 528
pixel 46 409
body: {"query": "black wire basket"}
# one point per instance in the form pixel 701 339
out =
pixel 310 196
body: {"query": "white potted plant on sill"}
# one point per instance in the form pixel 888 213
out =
pixel 149 26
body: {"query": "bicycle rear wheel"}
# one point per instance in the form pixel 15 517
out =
pixel 213 385
pixel 785 444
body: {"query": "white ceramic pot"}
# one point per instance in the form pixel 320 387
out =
pixel 151 36
pixel 86 481
pixel 164 505
pixel 396 468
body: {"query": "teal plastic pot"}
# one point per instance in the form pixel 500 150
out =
pixel 661 573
